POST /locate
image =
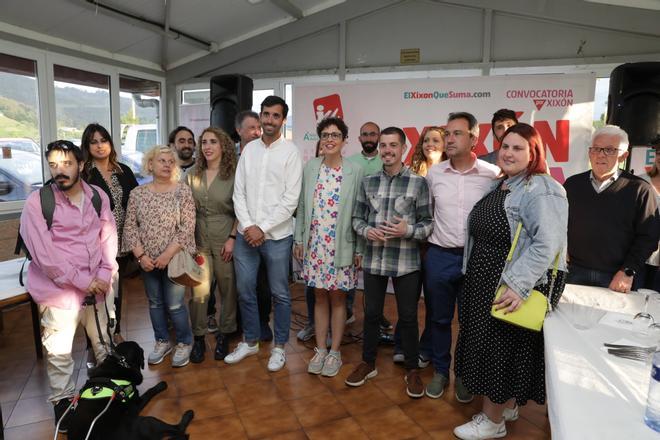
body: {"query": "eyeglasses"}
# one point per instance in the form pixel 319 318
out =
pixel 606 151
pixel 335 136
pixel 61 145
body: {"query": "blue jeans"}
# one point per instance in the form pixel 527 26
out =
pixel 166 297
pixel 443 284
pixel 588 277
pixel 593 277
pixel 276 255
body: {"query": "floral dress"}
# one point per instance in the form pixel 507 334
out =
pixel 319 270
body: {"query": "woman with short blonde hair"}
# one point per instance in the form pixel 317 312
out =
pixel 160 221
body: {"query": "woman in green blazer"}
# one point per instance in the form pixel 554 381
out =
pixel 325 242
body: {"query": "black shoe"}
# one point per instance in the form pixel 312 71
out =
pixel 385 325
pixel 198 349
pixel 386 338
pixel 266 332
pixel 221 346
pixel 60 408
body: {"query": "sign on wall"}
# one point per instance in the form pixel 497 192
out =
pixel 559 106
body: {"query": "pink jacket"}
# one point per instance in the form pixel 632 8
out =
pixel 78 248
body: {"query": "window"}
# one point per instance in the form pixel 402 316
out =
pixel 20 159
pixel 139 108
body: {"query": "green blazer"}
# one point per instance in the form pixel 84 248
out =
pixel 346 245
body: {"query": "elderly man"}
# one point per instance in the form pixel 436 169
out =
pixel 612 218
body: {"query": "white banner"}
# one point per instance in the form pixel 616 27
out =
pixel 559 106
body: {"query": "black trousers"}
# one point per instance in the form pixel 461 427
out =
pixel 407 289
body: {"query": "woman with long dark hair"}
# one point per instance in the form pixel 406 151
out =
pixel 117 180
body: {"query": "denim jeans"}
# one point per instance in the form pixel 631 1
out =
pixel 406 291
pixel 443 283
pixel 588 277
pixel 166 297
pixel 593 277
pixel 276 254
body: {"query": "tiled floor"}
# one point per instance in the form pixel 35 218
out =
pixel 245 400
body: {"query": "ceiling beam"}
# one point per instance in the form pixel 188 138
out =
pixel 575 12
pixel 289 8
pixel 308 25
pixel 144 23
pixel 166 28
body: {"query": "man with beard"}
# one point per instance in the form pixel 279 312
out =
pixel 182 140
pixel 72 258
pixel 368 158
pixel 266 190
pixel 393 215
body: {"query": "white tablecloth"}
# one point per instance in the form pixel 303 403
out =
pixel 592 394
pixel 9 285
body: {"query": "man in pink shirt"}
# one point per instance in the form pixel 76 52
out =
pixel 72 260
pixel 455 185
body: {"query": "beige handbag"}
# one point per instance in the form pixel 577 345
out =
pixel 183 269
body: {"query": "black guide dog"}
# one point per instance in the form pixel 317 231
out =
pixel 109 404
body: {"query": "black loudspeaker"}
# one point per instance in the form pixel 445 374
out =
pixel 230 94
pixel 634 101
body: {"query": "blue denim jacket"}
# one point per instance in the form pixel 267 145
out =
pixel 540 203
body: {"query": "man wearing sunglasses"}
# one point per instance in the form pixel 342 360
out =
pixel 612 218
pixel 72 258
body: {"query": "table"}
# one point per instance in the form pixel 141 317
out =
pixel 592 394
pixel 12 293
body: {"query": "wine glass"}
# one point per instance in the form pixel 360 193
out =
pixel 643 320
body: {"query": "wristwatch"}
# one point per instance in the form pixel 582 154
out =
pixel 629 272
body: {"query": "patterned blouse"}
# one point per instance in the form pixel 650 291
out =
pixel 116 192
pixel 154 220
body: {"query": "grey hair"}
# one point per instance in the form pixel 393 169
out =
pixel 612 130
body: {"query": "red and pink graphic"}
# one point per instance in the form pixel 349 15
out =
pixel 328 107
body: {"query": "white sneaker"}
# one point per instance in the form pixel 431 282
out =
pixel 480 428
pixel 241 351
pixel 510 414
pixel 277 359
pixel 398 358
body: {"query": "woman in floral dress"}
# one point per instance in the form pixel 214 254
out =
pixel 325 241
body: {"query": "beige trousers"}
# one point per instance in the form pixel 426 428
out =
pixel 58 329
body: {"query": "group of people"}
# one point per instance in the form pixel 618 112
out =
pixel 444 225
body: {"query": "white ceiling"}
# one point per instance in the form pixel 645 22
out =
pixel 108 25
pixel 215 32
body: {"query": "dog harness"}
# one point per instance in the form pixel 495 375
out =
pixel 102 388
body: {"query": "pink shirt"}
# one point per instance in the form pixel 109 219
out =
pixel 454 194
pixel 78 248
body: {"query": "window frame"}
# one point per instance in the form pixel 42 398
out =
pixel 45 60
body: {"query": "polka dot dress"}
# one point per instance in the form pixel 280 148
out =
pixel 494 358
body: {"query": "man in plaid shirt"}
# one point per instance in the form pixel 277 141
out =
pixel 393 214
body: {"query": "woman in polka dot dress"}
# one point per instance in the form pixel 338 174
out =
pixel 502 362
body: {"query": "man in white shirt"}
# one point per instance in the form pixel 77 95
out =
pixel 266 190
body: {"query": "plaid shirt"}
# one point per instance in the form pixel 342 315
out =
pixel 382 197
